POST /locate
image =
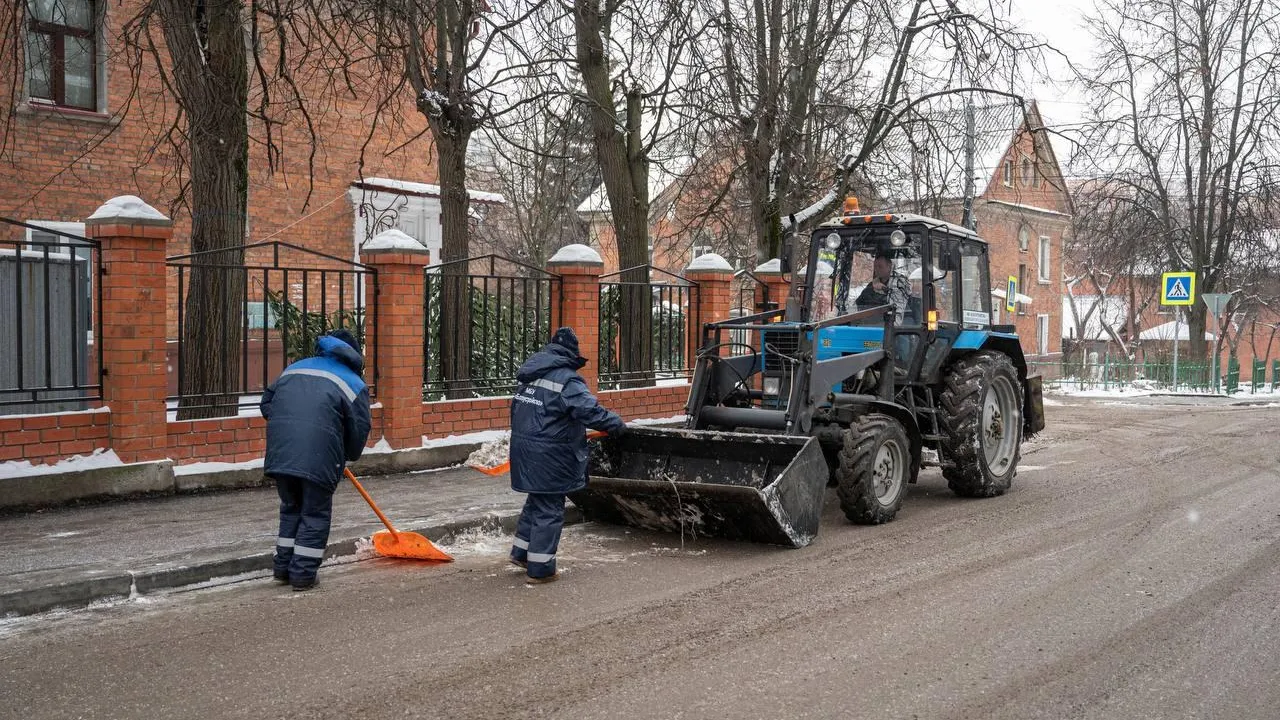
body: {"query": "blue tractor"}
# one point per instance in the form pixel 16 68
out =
pixel 884 359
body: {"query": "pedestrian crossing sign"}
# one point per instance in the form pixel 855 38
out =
pixel 1178 288
pixel 1011 295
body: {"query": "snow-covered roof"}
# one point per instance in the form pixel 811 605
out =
pixel 660 177
pixel 824 270
pixel 1102 312
pixel 1165 331
pixel 408 187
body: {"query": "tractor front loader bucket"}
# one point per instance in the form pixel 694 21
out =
pixel 742 486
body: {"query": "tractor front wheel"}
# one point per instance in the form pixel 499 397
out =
pixel 982 424
pixel 875 465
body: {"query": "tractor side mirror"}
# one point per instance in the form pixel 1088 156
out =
pixel 948 258
pixel 784 259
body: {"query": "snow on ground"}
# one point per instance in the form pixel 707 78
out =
pixel 212 467
pixel 99 459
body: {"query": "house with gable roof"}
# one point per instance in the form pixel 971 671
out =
pixel 1021 203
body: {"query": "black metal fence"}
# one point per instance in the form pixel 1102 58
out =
pixel 484 316
pixel 238 320
pixel 645 336
pixel 50 327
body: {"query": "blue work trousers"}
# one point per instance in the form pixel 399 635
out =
pixel 305 511
pixel 538 533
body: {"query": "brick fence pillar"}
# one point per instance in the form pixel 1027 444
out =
pixel 579 268
pixel 133 236
pixel 779 285
pixel 393 340
pixel 714 276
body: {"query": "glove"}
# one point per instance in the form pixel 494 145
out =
pixel 618 431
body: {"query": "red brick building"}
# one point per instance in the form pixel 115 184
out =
pixel 81 132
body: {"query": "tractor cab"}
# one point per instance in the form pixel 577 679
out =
pixel 933 275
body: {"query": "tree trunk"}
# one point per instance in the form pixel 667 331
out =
pixel 625 170
pixel 455 301
pixel 207 45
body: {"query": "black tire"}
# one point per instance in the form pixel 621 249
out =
pixel 981 418
pixel 875 465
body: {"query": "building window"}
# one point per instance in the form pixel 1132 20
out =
pixel 1008 173
pixel 1022 283
pixel 1024 239
pixel 1042 334
pixel 1028 172
pixel 1043 269
pixel 699 250
pixel 62 53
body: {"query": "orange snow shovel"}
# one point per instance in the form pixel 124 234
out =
pixel 408 545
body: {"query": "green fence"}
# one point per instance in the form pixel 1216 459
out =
pixel 1107 375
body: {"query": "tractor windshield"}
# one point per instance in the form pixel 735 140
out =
pixel 866 271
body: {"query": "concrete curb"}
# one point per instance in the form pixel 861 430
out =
pixel 122 482
pixel 83 591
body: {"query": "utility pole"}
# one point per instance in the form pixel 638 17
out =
pixel 970 149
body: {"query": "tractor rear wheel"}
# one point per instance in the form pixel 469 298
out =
pixel 875 465
pixel 981 418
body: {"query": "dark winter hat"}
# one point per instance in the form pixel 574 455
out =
pixel 565 338
pixel 345 336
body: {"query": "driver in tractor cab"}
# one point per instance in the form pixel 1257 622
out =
pixel 886 288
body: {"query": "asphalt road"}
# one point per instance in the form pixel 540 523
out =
pixel 1132 572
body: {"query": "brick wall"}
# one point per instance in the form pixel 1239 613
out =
pixel 38 438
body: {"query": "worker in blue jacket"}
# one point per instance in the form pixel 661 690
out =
pixel 550 414
pixel 317 415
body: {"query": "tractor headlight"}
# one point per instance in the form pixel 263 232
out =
pixel 833 241
pixel 897 238
pixel 772 385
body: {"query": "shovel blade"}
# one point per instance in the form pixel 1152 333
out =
pixel 408 545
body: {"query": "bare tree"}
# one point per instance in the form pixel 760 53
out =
pixel 813 88
pixel 455 57
pixel 1111 253
pixel 544 165
pixel 629 54
pixel 1188 116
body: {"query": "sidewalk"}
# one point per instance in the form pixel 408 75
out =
pixel 70 557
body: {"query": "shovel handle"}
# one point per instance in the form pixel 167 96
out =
pixel 351 476
pixel 596 434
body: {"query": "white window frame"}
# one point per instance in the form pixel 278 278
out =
pixel 1007 173
pixel 1026 171
pixel 1024 239
pixel 1043 272
pixel 694 251
pixel 1042 334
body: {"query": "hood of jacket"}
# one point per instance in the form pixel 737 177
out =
pixel 550 357
pixel 329 346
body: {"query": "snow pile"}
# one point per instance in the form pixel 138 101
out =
pixel 364 549
pixel 492 453
pixel 99 459
pixel 382 446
